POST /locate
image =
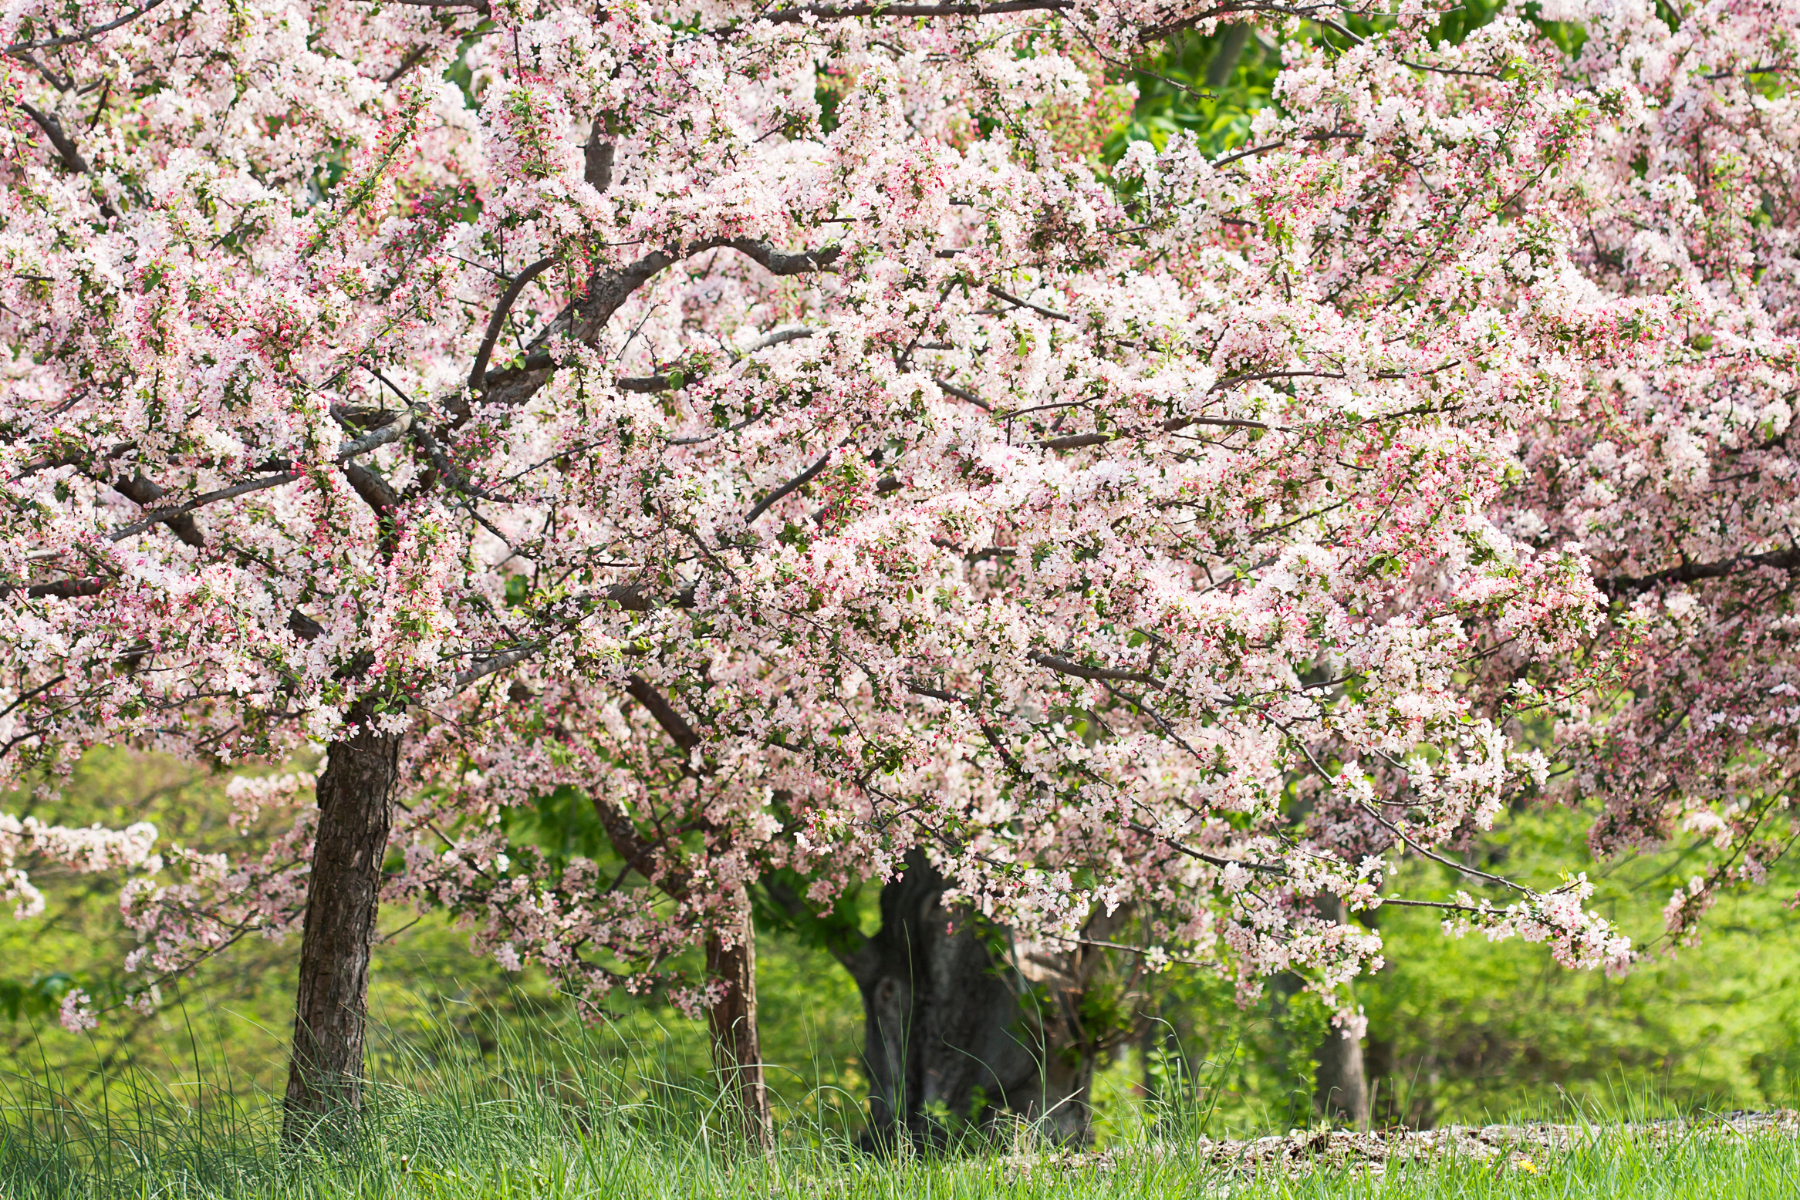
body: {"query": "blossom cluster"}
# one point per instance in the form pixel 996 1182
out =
pixel 92 849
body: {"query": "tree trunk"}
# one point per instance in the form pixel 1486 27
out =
pixel 1232 40
pixel 343 893
pixel 1340 1084
pixel 952 1036
pixel 736 1046
pixel 1343 1089
pixel 1342 1094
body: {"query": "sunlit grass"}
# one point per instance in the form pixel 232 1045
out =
pixel 577 1116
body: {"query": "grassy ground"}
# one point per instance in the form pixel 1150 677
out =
pixel 569 1117
pixel 531 1148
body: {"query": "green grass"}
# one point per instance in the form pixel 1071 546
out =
pixel 490 1076
pixel 571 1116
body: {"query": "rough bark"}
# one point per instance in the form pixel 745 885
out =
pixel 953 1032
pixel 736 1046
pixel 343 894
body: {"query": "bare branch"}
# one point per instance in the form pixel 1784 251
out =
pixel 599 155
pixel 1231 158
pixel 145 494
pixel 950 389
pixel 665 382
pixel 1201 855
pixel 304 626
pixel 65 145
pixel 498 662
pixel 375 491
pixel 62 589
pixel 633 599
pixel 1440 904
pixel 406 64
pixel 1076 441
pixel 777 337
pixel 201 501
pixel 780 262
pixel 393 431
pixel 1618 586
pixel 610 288
pixel 1179 423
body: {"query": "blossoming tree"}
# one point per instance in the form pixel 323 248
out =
pixel 1677 471
pixel 767 423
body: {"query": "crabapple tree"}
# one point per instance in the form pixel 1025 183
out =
pixel 771 425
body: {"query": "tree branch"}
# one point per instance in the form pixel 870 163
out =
pixel 673 723
pixel 1036 308
pixel 1618 586
pixel 792 485
pixel 1203 856
pixel 631 599
pixel 778 337
pixel 70 39
pixel 950 389
pixel 664 383
pixel 145 494
pixel 166 514
pixel 834 12
pixel 607 290
pixel 599 155
pixel 393 431
pixel 1076 441
pixel 62 589
pixel 65 145
pixel 478 375
pixel 408 63
pixel 498 662
pixel 1064 666
pixel 375 491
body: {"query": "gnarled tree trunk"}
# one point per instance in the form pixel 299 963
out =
pixel 343 894
pixel 952 1030
pixel 736 1046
